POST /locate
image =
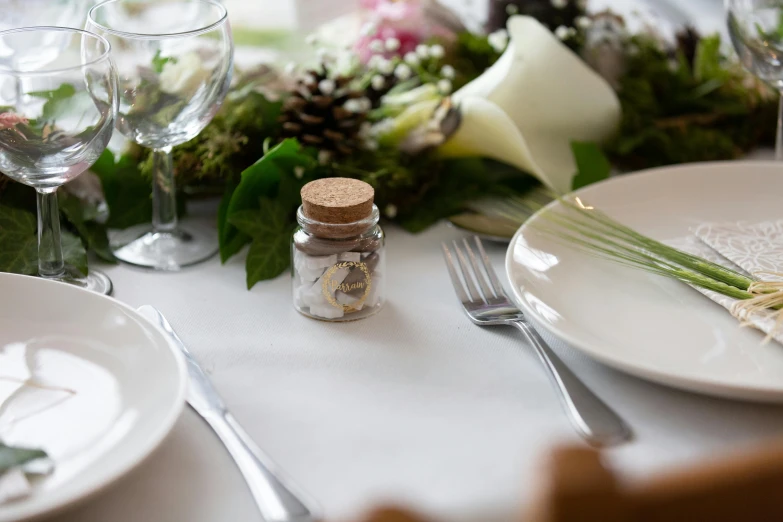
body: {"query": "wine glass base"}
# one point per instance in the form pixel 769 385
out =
pixel 170 251
pixel 97 281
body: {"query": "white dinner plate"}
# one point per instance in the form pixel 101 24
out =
pixel 644 324
pixel 85 378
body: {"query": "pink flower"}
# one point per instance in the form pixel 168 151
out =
pixel 410 22
pixel 9 119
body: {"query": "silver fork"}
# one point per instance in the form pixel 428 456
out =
pixel 591 417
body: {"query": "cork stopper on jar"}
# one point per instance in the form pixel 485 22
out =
pixel 337 201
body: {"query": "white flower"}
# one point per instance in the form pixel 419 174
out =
pixel 392 44
pixel 386 67
pixel 498 40
pixel 324 156
pixel 290 68
pixel 528 107
pixel 559 4
pixel 444 86
pixel 311 39
pixel 511 9
pixel 447 71
pixel 299 172
pixel 374 61
pixel 403 72
pixel 183 76
pixel 376 46
pixel 357 105
pixel 411 59
pixel 327 86
pixel 378 82
pixel 562 32
pixel 323 54
pixel 437 51
pixel 369 29
pixel 423 51
pixel 308 79
pixel 390 211
pixel 583 22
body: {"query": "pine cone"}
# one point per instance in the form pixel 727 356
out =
pixel 325 113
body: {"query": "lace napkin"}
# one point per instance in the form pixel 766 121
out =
pixel 749 248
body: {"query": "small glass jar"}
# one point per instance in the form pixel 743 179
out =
pixel 339 269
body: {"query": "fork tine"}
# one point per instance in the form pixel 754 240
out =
pixel 458 287
pixel 463 264
pixel 488 267
pixel 482 281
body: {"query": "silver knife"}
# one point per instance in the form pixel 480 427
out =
pixel 278 499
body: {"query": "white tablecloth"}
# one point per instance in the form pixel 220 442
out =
pixel 414 405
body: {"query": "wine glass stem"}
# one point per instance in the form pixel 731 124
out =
pixel 779 135
pixel 50 249
pixel 164 193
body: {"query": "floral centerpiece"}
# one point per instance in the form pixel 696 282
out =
pixel 436 118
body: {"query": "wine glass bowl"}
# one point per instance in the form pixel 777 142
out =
pixel 174 60
pixel 56 118
pixel 756 31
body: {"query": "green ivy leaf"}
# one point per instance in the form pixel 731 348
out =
pixel 591 164
pixel 94 234
pixel 270 228
pixel 231 240
pixel 11 457
pixel 267 260
pixel 260 180
pixel 19 244
pixel 128 193
pixel 74 253
pixel 18 241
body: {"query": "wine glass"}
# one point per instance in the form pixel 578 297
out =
pixel 175 60
pixel 56 127
pixel 756 29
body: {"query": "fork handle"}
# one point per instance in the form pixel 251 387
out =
pixel 592 418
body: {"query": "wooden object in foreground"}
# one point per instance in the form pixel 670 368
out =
pixel 577 487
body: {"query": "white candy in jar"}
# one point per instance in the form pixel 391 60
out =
pixel 338 253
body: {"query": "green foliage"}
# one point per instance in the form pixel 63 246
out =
pixel 677 112
pixel 591 164
pixel 269 177
pixel 231 142
pixel 471 56
pixel 128 194
pixel 458 181
pixel 85 220
pixel 11 457
pixel 158 61
pixel 19 244
pixel 270 228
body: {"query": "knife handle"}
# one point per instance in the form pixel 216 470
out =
pixel 276 499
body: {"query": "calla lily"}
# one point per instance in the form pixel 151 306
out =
pixel 531 104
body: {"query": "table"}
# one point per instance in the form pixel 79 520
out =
pixel 414 405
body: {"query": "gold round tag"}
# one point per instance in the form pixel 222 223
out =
pixel 330 286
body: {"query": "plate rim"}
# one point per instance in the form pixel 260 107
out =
pixel 706 386
pixel 154 438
